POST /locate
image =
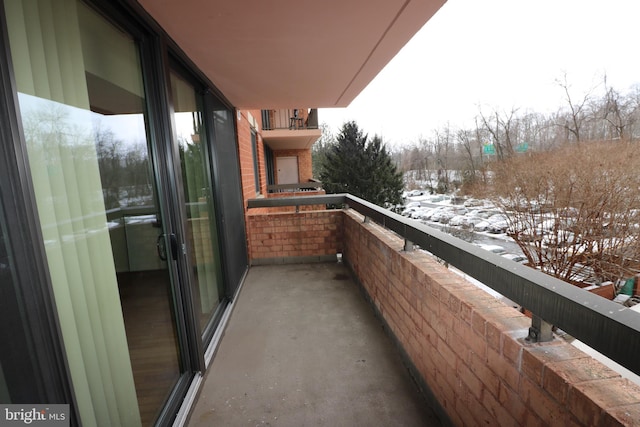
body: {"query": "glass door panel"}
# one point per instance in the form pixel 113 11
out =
pixel 202 240
pixel 82 104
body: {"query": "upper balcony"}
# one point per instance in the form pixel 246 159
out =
pixel 476 359
pixel 291 129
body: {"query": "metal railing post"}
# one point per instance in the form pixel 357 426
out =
pixel 408 245
pixel 540 331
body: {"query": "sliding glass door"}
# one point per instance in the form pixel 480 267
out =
pixel 202 234
pixel 111 251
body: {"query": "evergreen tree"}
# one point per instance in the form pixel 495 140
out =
pixel 320 149
pixel 362 167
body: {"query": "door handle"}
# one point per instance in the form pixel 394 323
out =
pixel 161 246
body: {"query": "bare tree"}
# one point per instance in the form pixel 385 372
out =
pixel 443 148
pixel 574 120
pixel 465 139
pixel 428 156
pixel 470 143
pixel 618 111
pixel 500 128
pixel 574 210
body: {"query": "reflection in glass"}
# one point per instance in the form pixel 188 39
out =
pixel 82 105
pixel 202 234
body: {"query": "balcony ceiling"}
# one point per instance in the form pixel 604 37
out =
pixel 284 139
pixel 281 53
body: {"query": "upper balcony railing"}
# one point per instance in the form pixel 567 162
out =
pixel 605 326
pixel 293 119
pixel 312 185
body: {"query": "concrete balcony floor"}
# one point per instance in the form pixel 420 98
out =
pixel 303 348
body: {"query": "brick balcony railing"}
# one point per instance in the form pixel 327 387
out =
pixel 469 352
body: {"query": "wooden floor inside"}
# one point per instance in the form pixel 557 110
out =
pixel 153 346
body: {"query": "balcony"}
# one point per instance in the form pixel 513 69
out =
pixel 291 129
pixel 475 359
pixel 304 348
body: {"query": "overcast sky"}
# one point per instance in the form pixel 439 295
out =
pixel 497 54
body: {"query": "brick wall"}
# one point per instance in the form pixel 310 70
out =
pixel 245 154
pixel 469 348
pixel 284 236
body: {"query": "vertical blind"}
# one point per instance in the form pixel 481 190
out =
pixel 49 63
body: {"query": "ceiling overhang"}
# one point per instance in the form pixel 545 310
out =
pixel 285 139
pixel 279 53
